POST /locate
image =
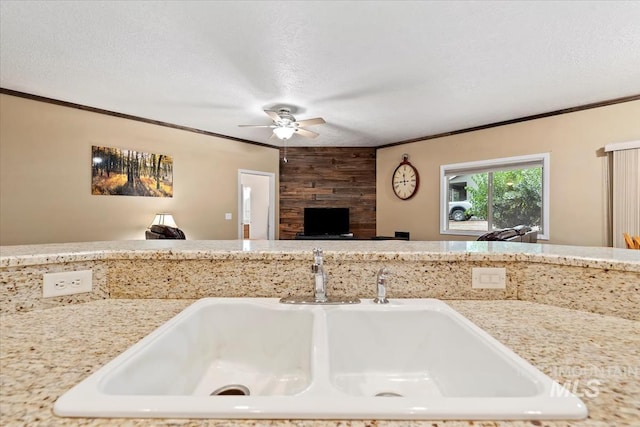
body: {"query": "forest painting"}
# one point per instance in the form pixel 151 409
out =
pixel 130 173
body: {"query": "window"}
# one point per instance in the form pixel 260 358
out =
pixel 478 197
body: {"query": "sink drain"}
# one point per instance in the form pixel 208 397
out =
pixel 388 394
pixel 231 390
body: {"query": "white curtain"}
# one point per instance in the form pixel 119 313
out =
pixel 607 196
pixel 625 191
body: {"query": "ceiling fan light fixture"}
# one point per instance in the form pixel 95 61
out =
pixel 284 132
pixel 284 125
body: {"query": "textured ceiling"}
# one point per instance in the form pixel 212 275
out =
pixel 378 72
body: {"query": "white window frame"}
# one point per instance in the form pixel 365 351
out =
pixel 495 164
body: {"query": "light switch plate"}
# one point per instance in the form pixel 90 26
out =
pixel 488 278
pixel 228 216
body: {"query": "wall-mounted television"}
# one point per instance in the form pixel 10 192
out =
pixel 326 221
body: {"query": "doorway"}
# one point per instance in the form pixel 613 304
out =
pixel 256 205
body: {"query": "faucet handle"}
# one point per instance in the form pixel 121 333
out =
pixel 382 286
pixel 317 256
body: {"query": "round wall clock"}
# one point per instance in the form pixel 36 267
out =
pixel 405 180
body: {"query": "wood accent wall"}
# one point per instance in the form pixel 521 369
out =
pixel 331 177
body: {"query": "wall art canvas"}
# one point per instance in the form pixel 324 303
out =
pixel 117 172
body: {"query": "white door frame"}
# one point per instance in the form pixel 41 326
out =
pixel 271 224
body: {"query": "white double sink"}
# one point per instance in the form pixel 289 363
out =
pixel 410 359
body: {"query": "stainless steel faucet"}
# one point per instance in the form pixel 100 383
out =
pixel 382 286
pixel 320 277
pixel 319 287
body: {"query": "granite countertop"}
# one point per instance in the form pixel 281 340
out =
pixel 598 257
pixel 43 353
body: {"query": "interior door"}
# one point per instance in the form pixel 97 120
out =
pixel 256 199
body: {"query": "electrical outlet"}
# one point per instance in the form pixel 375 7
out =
pixel 67 283
pixel 489 278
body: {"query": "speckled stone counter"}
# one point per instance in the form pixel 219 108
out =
pixel 582 256
pixel 44 352
pixel 600 280
pixel 49 344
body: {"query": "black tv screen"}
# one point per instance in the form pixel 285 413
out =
pixel 326 221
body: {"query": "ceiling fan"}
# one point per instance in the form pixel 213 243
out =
pixel 285 125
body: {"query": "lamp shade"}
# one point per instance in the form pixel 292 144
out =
pixel 284 132
pixel 163 219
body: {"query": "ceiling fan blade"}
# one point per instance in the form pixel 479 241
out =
pixel 273 114
pixel 311 122
pixel 255 126
pixel 306 133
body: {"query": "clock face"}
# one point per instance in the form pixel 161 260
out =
pixel 405 181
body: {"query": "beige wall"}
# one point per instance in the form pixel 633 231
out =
pixel 45 176
pixel 575 140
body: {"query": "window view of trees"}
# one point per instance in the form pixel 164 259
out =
pixel 492 194
pixel 131 173
pixel 515 197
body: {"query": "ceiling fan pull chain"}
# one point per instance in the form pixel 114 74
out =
pixel 284 158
